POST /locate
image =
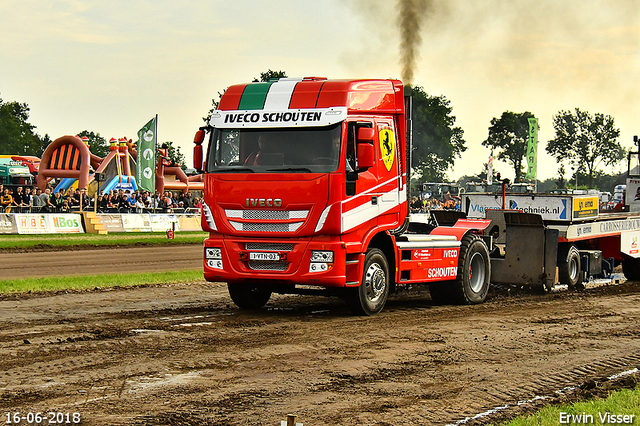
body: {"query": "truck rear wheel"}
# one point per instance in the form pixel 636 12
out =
pixel 631 268
pixel 371 295
pixel 249 296
pixel 569 272
pixel 474 271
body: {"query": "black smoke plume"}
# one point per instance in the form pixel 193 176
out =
pixel 412 15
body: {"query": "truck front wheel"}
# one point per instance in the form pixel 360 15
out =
pixel 371 295
pixel 249 296
pixel 474 271
pixel 631 268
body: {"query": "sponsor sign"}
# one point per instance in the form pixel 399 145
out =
pixel 52 223
pixel 132 222
pixel 444 272
pixel 423 254
pixel 532 149
pixel 32 223
pixel 549 207
pixel 65 223
pixel 163 222
pixel 146 167
pixel 608 227
pixel 585 207
pixel 8 224
pixel 633 195
pixel 112 222
pixel 278 118
pixel 630 243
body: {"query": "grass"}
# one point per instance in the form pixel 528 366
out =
pixel 83 282
pixel 126 238
pixel 619 403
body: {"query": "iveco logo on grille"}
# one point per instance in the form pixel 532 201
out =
pixel 264 202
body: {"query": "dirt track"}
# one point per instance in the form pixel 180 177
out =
pixel 184 355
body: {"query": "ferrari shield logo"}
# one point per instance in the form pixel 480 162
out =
pixel 387 147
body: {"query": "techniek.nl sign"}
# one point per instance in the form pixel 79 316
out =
pixel 550 208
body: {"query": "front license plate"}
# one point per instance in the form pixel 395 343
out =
pixel 264 256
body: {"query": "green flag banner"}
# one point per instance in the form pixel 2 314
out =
pixel 532 149
pixel 146 170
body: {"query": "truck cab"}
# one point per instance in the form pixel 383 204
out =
pixel 306 188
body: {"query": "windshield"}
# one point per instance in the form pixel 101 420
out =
pixel 305 150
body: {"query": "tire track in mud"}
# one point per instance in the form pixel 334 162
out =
pixel 181 354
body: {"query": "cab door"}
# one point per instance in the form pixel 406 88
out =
pixel 389 182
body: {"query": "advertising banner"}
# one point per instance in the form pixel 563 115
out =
pixel 32 223
pixel 532 149
pixel 633 194
pixel 146 167
pixel 112 222
pixel 550 207
pixel 585 206
pixel 8 224
pixel 53 223
pixel 134 222
pixel 630 243
pixel 61 223
pixel 163 222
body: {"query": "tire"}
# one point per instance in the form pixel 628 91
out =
pixel 441 293
pixel 569 272
pixel 371 295
pixel 474 272
pixel 249 296
pixel 631 269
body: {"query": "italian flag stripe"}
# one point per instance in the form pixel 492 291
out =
pixel 254 95
pixel 272 95
pixel 279 95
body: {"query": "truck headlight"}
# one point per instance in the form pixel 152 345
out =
pixel 213 253
pixel 213 257
pixel 320 261
pixel 322 256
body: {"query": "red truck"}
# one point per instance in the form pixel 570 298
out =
pixel 306 188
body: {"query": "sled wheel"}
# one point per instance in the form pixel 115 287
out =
pixel 249 296
pixel 371 295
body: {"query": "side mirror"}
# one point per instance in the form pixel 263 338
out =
pixel 197 150
pixel 365 134
pixel 366 155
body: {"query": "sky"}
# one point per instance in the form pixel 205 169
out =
pixel 111 66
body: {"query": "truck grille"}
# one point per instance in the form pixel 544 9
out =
pixel 267 214
pixel 268 266
pixel 266 220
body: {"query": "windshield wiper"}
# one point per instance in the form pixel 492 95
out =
pixel 291 169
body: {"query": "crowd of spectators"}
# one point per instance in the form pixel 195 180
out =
pixel 34 200
pixel 424 204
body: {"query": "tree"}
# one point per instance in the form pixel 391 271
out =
pixel 436 140
pixel 173 152
pixel 97 144
pixel 270 75
pixel 586 141
pixel 264 77
pixel 509 135
pixel 16 133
